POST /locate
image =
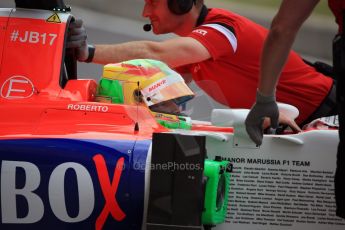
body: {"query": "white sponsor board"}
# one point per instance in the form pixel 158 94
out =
pixel 287 183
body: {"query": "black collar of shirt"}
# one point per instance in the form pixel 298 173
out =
pixel 202 15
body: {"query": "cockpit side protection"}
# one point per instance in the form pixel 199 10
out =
pixel 69 62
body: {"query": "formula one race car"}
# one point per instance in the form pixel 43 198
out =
pixel 76 154
pixel 72 159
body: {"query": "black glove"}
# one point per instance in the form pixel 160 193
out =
pixel 77 39
pixel 265 106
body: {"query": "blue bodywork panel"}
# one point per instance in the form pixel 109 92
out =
pixel 63 177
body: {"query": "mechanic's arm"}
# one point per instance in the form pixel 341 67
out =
pixel 285 25
pixel 174 52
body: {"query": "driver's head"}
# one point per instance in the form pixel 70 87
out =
pixel 176 16
pixel 151 83
pixel 169 107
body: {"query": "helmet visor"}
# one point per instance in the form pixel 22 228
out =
pixel 169 87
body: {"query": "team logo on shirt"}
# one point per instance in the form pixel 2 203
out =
pixel 200 31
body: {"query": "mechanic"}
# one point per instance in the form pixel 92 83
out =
pixel 277 46
pixel 216 46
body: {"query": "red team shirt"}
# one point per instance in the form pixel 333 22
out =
pixel 231 75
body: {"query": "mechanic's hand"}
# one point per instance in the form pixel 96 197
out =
pixel 265 106
pixel 77 38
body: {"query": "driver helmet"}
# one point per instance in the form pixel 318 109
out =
pixel 149 82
